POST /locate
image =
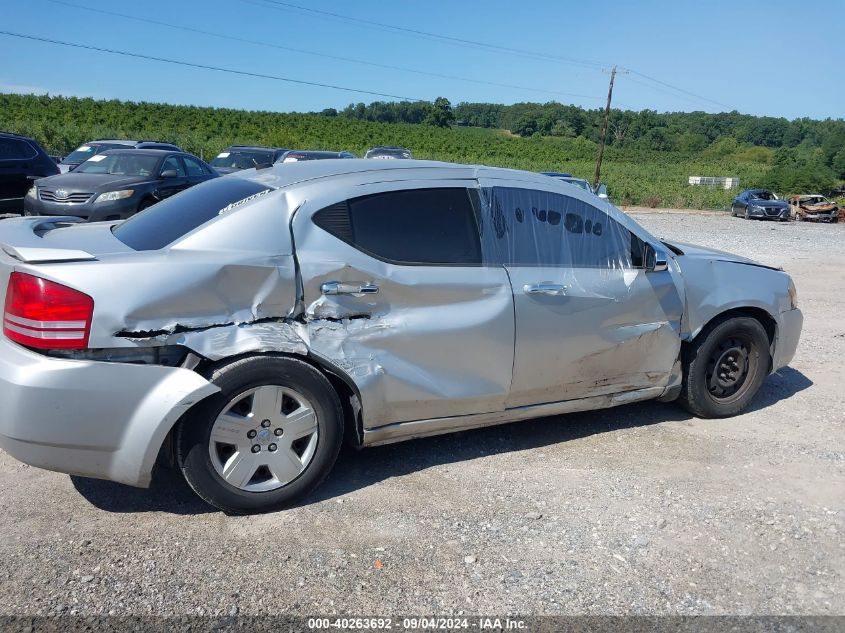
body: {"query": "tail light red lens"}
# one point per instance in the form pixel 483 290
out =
pixel 46 315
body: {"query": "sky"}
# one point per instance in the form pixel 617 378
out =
pixel 774 58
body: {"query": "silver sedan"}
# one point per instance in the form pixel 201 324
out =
pixel 246 326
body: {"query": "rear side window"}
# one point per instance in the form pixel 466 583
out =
pixel 14 149
pixel 167 221
pixel 528 227
pixel 415 226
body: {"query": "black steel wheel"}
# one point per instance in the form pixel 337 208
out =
pixel 724 367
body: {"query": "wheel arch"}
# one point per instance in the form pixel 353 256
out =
pixel 762 315
pixel 347 392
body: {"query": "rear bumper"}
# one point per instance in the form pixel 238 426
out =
pixel 91 418
pixel 788 334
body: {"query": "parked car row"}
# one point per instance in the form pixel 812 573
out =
pixel 764 204
pixel 114 179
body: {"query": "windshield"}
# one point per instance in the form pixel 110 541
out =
pixel 242 159
pixel 83 153
pixel 119 165
pixel 167 221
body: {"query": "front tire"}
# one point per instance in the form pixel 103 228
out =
pixel 724 367
pixel 270 436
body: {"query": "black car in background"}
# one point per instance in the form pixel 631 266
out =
pixel 297 155
pixel 388 152
pixel 237 157
pixel 117 184
pixel 84 152
pixel 760 204
pixel 22 161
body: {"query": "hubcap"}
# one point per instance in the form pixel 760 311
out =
pixel 728 368
pixel 264 438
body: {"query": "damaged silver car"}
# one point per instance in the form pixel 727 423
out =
pixel 249 324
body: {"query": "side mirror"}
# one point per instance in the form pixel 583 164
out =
pixel 655 261
pixel 601 191
pixel 168 173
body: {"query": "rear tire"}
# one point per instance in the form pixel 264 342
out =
pixel 724 367
pixel 270 436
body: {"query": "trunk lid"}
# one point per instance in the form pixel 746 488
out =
pixel 57 239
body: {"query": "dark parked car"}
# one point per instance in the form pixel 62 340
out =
pixel 116 184
pixel 296 155
pixel 21 161
pixel 762 204
pixel 238 157
pixel 388 151
pixel 84 152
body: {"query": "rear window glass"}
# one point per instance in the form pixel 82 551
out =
pixel 83 153
pixel 14 149
pixel 167 221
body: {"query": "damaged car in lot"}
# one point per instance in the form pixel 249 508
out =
pixel 815 208
pixel 273 312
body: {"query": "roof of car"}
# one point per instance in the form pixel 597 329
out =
pixel 260 147
pixel 143 152
pixel 284 174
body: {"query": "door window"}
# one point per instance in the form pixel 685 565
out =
pixel 415 226
pixel 530 227
pixel 194 167
pixel 175 164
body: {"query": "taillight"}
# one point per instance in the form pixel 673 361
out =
pixel 43 314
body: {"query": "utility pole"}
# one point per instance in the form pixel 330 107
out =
pixel 597 177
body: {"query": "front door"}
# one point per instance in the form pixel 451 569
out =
pixel 589 319
pixel 397 297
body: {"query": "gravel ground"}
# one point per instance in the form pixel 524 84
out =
pixel 639 509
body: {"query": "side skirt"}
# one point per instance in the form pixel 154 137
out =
pixel 399 431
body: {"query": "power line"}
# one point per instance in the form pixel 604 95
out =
pixel 315 53
pixel 206 67
pixel 281 4
pixel 687 92
pixel 426 34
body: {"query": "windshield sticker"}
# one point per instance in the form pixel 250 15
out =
pixel 97 158
pixel 84 148
pixel 233 205
pixel 290 159
pixel 223 155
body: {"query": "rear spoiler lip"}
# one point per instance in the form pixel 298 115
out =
pixel 34 255
pixel 30 254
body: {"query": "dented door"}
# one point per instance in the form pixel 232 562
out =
pixel 421 339
pixel 589 319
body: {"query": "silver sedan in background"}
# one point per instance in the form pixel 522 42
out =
pixel 249 324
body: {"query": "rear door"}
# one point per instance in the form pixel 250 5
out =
pixel 589 319
pixel 397 297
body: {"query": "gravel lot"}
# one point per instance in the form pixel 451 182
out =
pixel 639 509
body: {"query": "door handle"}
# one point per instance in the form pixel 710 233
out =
pixel 341 288
pixel 545 288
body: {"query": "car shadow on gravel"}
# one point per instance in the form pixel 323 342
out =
pixel 168 492
pixel 359 469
